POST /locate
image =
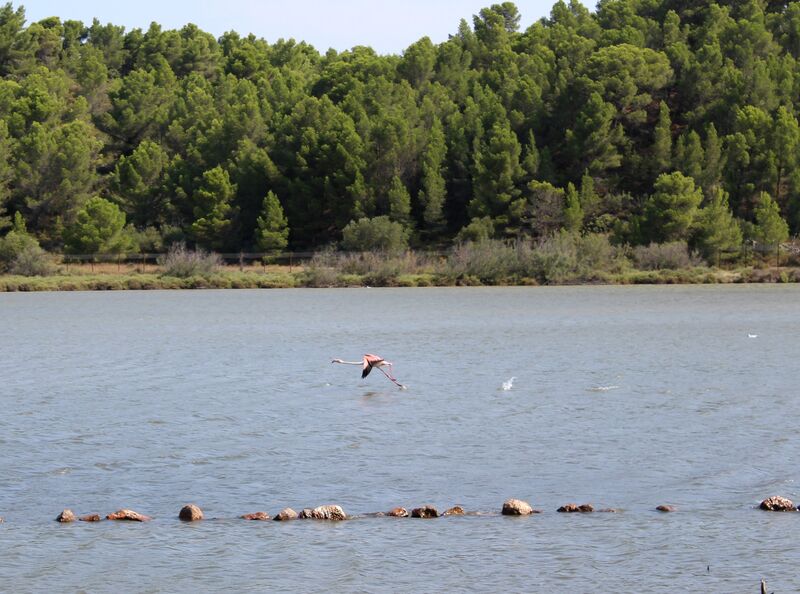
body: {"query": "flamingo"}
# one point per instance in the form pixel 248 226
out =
pixel 370 362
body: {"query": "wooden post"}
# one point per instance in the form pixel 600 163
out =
pixel 241 262
pixel 118 264
pixel 290 262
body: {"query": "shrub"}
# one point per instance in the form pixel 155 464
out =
pixel 15 242
pixel 378 234
pixel 32 261
pixel 184 263
pixel 660 256
pixel 489 260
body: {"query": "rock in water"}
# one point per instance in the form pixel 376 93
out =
pixel 777 503
pixel 328 512
pixel 398 512
pixel 286 514
pixel 426 511
pixel 259 516
pixel 66 516
pixel 128 515
pixel 190 513
pixel 516 507
pixel 456 510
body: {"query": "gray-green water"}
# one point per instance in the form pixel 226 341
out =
pixel 624 397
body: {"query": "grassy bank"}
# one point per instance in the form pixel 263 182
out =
pixel 560 260
pixel 315 277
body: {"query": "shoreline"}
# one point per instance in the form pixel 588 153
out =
pixel 230 279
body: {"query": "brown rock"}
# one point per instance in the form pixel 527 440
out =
pixel 90 518
pixel 398 512
pixel 516 507
pixel 66 516
pixel 572 508
pixel 190 513
pixel 456 510
pixel 286 514
pixel 777 503
pixel 426 511
pixel 665 508
pixel 328 512
pixel 260 516
pixel 128 515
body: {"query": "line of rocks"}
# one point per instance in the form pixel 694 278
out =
pixel 511 507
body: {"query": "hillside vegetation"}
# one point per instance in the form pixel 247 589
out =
pixel 644 122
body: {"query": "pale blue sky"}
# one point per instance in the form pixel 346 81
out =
pixel 388 27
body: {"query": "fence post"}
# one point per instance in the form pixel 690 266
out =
pixel 241 262
pixel 290 262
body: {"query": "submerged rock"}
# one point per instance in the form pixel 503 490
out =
pixel 286 514
pixel 190 513
pixel 426 511
pixel 572 508
pixel 398 512
pixel 516 507
pixel 665 508
pixel 328 512
pixel 66 516
pixel 456 510
pixel 90 518
pixel 128 515
pixel 777 503
pixel 259 516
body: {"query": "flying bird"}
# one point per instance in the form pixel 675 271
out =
pixel 370 362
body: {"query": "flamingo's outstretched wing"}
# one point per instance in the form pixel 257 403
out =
pixel 368 362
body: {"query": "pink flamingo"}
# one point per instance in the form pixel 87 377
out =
pixel 370 362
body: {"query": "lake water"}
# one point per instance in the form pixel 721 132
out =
pixel 624 397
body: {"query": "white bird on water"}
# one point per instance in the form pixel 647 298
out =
pixel 508 384
pixel 752 335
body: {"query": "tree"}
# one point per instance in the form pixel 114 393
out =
pixel 573 213
pixel 717 233
pixel 6 173
pixel 139 184
pixel 770 228
pixel 662 140
pixel 98 228
pixel 433 194
pixel 378 234
pixel 212 209
pixel 272 228
pixel 670 211
pixel 399 202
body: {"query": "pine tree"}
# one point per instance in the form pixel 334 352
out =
pixel 272 228
pixel 573 213
pixel 717 233
pixel 662 140
pixel 770 228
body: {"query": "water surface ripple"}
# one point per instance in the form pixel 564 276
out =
pixel 624 397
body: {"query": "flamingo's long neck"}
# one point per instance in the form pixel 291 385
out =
pixel 348 362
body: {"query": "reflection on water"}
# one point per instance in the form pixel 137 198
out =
pixel 623 397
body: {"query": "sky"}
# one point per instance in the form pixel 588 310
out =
pixel 387 26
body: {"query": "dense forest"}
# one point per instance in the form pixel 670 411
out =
pixel 649 121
